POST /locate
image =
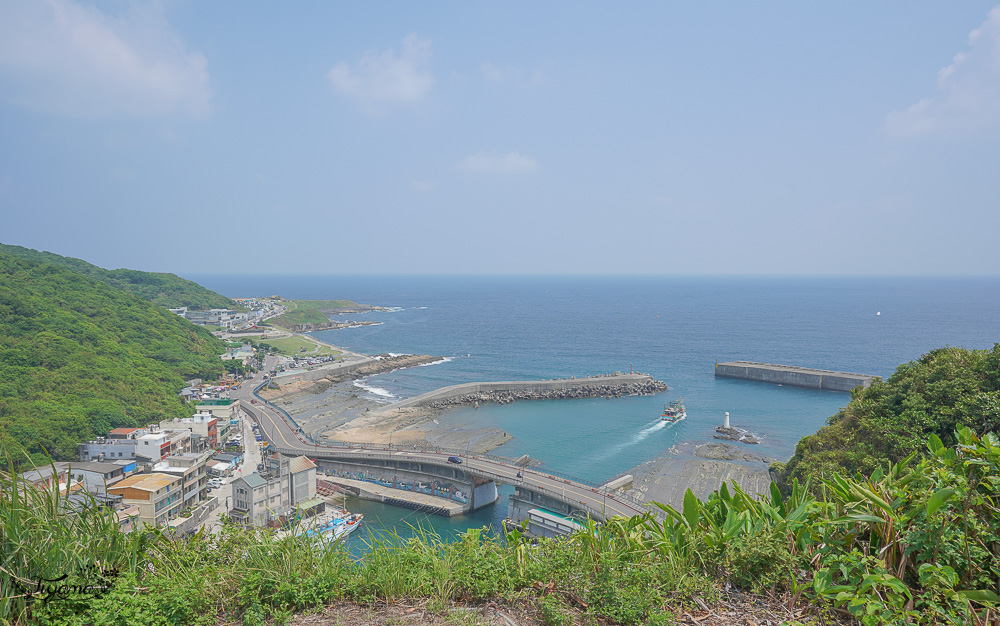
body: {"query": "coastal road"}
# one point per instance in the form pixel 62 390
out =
pixel 283 435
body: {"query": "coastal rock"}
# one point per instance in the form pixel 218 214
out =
pixel 734 434
pixel 384 363
pixel 331 325
pixel 728 452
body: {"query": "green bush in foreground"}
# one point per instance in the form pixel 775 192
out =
pixel 917 543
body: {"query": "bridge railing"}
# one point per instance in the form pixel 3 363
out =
pixel 384 455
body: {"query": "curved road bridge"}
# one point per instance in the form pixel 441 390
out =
pixel 472 483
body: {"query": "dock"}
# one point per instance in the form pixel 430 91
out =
pixel 793 375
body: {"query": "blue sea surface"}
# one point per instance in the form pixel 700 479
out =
pixel 675 328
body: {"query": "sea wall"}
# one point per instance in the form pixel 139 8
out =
pixel 793 375
pixel 612 385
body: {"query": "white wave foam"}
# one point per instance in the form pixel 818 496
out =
pixel 378 391
pixel 419 308
pixel 393 309
pixel 444 360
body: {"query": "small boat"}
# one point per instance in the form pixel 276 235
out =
pixel 334 529
pixel 673 411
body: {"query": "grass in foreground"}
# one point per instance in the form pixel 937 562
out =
pixel 914 544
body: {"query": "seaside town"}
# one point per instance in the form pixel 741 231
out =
pixel 186 474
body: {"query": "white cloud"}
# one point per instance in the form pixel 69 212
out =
pixel 968 94
pixel 387 76
pixel 64 58
pixel 502 164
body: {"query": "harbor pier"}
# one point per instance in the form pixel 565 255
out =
pixel 793 375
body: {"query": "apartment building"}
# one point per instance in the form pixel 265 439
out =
pixel 192 469
pixel 159 496
pixel 225 410
pixel 201 423
pixel 263 499
pixel 158 444
pixel 119 444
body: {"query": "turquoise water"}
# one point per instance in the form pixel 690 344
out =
pixel 509 328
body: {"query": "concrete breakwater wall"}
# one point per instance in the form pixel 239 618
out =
pixel 793 375
pixel 612 385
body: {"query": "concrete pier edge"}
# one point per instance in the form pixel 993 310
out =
pixel 793 375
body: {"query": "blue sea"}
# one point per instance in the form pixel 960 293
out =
pixel 675 328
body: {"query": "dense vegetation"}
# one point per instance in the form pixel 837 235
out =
pixel 917 543
pixel 311 312
pixel 943 391
pixel 78 357
pixel 166 290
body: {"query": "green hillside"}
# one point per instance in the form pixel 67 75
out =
pixel 945 390
pixel 166 290
pixel 78 357
pixel 312 312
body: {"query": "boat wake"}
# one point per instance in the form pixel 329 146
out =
pixel 637 438
pixel 649 430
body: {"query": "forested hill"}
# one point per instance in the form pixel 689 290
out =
pixel 79 357
pixel 945 390
pixel 166 290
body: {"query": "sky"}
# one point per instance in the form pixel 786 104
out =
pixel 667 138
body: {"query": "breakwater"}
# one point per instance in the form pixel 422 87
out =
pixel 503 392
pixel 793 375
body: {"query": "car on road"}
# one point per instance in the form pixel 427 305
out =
pixel 454 459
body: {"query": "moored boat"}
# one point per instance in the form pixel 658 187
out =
pixel 334 529
pixel 674 411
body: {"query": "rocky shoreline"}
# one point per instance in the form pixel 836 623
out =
pixel 383 363
pixel 380 364
pixel 331 325
pixel 702 468
pixel 645 388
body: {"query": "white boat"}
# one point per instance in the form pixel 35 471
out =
pixel 335 529
pixel 673 411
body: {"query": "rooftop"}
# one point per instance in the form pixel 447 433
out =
pixel 254 480
pixel 146 482
pixel 300 464
pixel 89 466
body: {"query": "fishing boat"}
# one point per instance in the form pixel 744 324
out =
pixel 334 529
pixel 673 411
